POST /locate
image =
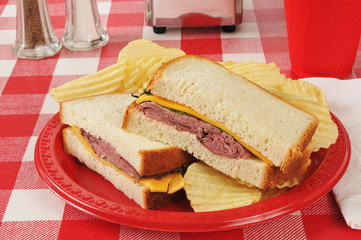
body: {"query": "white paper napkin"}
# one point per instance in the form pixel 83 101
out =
pixel 344 99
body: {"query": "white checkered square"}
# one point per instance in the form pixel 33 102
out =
pixel 31 205
pixel 76 66
pixel 50 106
pixel 9 11
pixel 6 67
pixel 7 37
pixel 29 152
pixel 247 4
pixel 172 33
pixel 104 7
pixel 244 57
pixel 244 30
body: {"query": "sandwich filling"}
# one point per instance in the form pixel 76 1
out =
pixel 107 152
pixel 211 143
pixel 214 139
pixel 169 182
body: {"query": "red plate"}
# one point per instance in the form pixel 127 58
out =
pixel 89 192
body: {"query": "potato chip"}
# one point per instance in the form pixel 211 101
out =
pixel 144 48
pixel 107 80
pixel 146 57
pixel 260 73
pixel 291 182
pixel 210 190
pixel 271 193
pixel 147 68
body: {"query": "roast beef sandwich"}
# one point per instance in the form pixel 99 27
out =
pixel 146 171
pixel 225 120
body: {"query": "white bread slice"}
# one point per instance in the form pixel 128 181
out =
pixel 102 116
pixel 253 171
pixel 278 130
pixel 137 192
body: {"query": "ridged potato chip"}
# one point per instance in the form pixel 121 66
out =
pixel 145 57
pixel 144 48
pixel 107 80
pixel 271 193
pixel 146 68
pixel 210 190
pixel 260 73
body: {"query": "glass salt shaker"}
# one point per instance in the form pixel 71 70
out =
pixel 35 38
pixel 83 29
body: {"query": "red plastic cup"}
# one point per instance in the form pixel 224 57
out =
pixel 323 36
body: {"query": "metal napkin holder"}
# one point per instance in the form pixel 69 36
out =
pixel 161 14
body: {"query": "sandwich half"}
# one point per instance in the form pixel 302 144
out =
pixel 146 171
pixel 225 120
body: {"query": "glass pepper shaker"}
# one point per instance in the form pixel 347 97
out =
pixel 34 32
pixel 83 29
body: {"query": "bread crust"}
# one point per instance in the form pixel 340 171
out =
pixel 155 200
pixel 275 176
pixel 300 149
pixel 127 113
pixel 154 161
pixel 158 74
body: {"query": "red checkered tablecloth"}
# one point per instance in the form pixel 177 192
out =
pixel 29 210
